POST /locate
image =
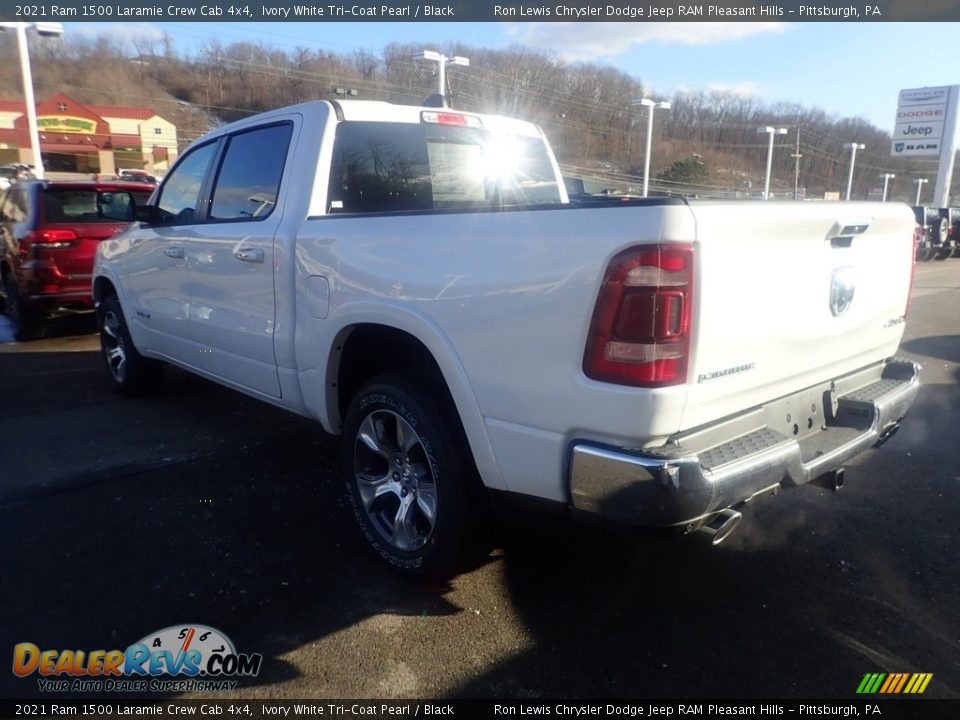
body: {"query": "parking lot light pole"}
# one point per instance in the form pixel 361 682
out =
pixel 853 159
pixel 442 62
pixel 771 131
pixel 919 182
pixel 46 29
pixel 886 182
pixel 652 105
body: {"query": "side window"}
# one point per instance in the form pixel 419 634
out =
pixel 115 205
pixel 180 196
pixel 249 178
pixel 380 167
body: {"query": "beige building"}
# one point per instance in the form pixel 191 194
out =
pixel 88 139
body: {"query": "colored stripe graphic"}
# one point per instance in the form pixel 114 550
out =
pixel 903 681
pixel 894 683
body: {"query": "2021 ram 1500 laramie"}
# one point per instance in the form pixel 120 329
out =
pixel 414 279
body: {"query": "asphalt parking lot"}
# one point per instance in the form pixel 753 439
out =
pixel 198 505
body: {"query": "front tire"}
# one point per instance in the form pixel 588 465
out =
pixel 128 372
pixel 407 475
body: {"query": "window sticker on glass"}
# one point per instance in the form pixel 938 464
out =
pixel 458 173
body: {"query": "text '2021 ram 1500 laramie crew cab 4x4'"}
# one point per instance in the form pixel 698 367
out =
pixel 414 279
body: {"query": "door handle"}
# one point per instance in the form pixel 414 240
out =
pixel 250 255
pixel 174 252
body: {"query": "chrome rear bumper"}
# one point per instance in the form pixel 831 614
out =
pixel 702 472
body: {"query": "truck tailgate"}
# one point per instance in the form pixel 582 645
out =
pixel 790 295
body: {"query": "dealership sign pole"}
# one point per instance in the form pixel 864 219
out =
pixel 926 126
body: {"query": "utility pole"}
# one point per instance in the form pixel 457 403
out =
pixel 651 105
pixel 442 62
pixel 886 182
pixel 796 168
pixel 853 147
pixel 46 29
pixel 771 131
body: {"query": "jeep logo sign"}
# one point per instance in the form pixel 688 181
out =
pixel 918 130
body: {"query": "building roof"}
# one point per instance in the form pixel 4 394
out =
pixel 104 111
pixel 122 111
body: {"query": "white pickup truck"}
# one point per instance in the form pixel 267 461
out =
pixel 415 280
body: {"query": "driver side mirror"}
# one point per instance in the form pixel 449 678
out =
pixel 147 214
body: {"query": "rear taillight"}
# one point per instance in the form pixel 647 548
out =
pixel 52 238
pixel 640 333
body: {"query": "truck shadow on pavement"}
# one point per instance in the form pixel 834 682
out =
pixel 239 522
pixel 940 347
pixel 246 533
pixel 811 592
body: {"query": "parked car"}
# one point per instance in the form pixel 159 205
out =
pixel 49 233
pixel 416 280
pixel 578 195
pixel 940 232
pixel 138 176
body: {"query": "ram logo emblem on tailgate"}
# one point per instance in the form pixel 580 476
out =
pixel 842 289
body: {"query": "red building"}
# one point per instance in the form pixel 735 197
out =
pixel 89 139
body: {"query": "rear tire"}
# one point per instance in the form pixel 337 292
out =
pixel 408 475
pixel 27 322
pixel 128 372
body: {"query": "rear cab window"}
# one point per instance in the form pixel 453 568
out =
pixel 398 167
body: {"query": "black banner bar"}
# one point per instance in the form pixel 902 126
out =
pixel 860 707
pixel 477 10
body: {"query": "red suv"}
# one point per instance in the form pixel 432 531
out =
pixel 49 231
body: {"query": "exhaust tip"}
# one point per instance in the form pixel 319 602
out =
pixel 720 526
pixel 888 432
pixel 832 480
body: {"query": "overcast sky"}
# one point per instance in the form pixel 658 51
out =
pixel 848 69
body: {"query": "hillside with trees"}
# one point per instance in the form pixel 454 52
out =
pixel 706 144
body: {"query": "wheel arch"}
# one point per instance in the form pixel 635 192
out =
pixel 367 347
pixel 103 286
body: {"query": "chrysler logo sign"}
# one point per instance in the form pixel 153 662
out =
pixel 842 288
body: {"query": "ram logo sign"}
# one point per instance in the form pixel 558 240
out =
pixel 916 148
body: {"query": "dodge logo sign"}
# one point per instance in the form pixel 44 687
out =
pixel 841 290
